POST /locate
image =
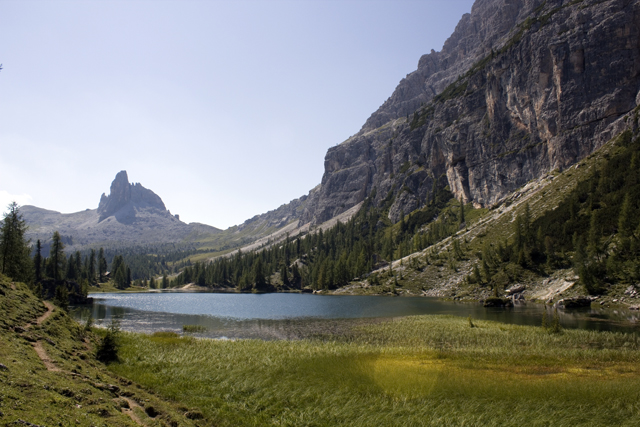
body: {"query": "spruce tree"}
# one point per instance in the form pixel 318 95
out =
pixel 61 296
pixel 37 262
pixel 284 275
pixel 56 256
pixel 92 266
pixel 102 265
pixel 78 262
pixel 625 220
pixel 258 274
pixel 14 249
pixel 71 269
pixel 295 274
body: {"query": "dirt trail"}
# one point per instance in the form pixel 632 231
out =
pixel 40 320
pixel 37 346
pixel 42 354
pixel 130 411
pixel 50 365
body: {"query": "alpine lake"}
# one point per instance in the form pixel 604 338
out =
pixel 297 315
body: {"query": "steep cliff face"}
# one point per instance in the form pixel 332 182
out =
pixel 124 198
pixel 473 38
pixel 521 88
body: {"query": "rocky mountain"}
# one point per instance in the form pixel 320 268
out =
pixel 521 88
pixel 130 215
pixel 125 199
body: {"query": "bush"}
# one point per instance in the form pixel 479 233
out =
pixel 108 348
pixel 61 297
pixel 193 328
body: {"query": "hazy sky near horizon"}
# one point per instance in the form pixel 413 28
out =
pixel 225 109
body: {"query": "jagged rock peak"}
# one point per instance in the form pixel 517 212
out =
pixel 522 88
pixel 123 194
pixel 474 36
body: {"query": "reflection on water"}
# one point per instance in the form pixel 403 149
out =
pixel 291 316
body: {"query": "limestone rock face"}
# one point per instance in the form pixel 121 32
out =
pixel 521 88
pixel 125 197
pixel 473 38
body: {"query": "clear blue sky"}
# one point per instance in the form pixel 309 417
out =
pixel 225 109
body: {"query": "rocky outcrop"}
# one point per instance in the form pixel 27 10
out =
pixel 574 302
pixel 521 88
pixel 125 198
pixel 131 215
pixel 473 38
pixel 277 218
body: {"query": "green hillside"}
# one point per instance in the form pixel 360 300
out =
pixel 49 374
pixel 580 225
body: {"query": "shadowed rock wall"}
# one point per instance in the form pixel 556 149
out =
pixel 521 88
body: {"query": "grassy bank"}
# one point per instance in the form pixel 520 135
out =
pixel 428 370
pixel 49 375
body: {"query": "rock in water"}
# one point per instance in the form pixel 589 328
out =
pixel 574 302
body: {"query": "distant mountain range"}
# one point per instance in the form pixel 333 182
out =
pixel 130 215
pixel 520 89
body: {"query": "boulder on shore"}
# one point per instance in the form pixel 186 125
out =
pixel 516 289
pixel 574 302
pixel 497 302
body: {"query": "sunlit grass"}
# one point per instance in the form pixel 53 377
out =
pixel 427 370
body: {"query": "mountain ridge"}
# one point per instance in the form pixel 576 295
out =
pixel 541 89
pixel 521 88
pixel 131 215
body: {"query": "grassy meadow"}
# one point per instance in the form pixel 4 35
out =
pixel 424 370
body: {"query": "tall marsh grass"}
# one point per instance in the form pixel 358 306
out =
pixel 426 370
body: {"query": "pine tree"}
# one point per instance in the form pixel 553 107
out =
pixel 284 275
pixel 102 265
pixel 14 249
pixel 119 269
pixel 120 277
pixel 37 262
pixel 71 269
pixel 476 274
pixel 61 297
pixel 625 220
pixel 56 256
pixel 549 251
pixel 92 266
pixel 295 274
pixel 258 274
pixel 78 262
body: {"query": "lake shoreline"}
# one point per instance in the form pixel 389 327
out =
pixel 288 315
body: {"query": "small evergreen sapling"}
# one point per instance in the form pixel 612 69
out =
pixel 108 348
